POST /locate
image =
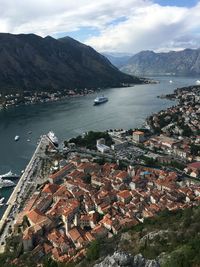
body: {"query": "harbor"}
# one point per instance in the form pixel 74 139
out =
pixel 26 184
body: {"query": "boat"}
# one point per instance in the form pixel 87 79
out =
pixel 170 81
pixel 9 174
pixel 6 183
pixel 198 82
pixel 53 138
pixel 16 137
pixel 30 132
pixel 28 140
pixel 100 100
pixel 1 201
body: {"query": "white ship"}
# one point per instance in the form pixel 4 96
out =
pixel 6 183
pixel 16 137
pixel 100 99
pixel 53 138
pixel 9 175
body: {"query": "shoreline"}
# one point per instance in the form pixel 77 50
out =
pixel 52 97
pixel 10 212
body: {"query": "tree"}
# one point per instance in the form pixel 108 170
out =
pixel 93 251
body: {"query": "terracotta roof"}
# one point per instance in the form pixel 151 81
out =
pixel 124 194
pixel 35 216
pixel 61 171
pixel 50 188
pixel 195 165
pixel 138 132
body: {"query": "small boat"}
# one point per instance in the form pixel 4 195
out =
pixel 30 132
pixel 1 201
pixel 9 175
pixel 28 140
pixel 100 100
pixel 170 81
pixel 16 137
pixel 6 183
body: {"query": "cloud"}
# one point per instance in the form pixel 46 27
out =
pixel 152 27
pixel 128 25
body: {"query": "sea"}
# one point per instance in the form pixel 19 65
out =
pixel 127 108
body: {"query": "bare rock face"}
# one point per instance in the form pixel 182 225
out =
pixel 122 259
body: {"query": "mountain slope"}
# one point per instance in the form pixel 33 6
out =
pixel 28 61
pixel 185 62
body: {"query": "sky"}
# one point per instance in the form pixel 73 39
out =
pixel 127 26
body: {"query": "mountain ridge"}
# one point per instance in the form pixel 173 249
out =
pixel 29 61
pixel 184 62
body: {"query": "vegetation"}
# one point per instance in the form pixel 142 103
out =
pixel 195 150
pixel 90 138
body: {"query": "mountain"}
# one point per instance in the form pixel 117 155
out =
pixel 117 59
pixel 28 61
pixel 185 62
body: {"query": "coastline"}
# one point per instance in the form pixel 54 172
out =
pixel 33 98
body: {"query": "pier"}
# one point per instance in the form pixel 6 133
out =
pixel 13 203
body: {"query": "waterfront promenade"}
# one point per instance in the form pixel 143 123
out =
pixel 28 178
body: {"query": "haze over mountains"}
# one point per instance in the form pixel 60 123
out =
pixel 28 61
pixel 185 62
pixel 118 59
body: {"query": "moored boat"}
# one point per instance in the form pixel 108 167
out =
pixel 2 201
pixel 6 183
pixel 53 138
pixel 9 175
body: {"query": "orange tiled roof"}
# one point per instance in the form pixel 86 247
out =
pixel 50 188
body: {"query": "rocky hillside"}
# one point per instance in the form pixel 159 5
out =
pixel 122 259
pixel 28 61
pixel 170 239
pixel 186 62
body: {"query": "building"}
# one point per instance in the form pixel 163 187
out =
pixel 193 169
pixel 101 147
pixel 138 136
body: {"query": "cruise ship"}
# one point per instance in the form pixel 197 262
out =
pixel 100 100
pixel 53 138
pixel 6 183
pixel 9 175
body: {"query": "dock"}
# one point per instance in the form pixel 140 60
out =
pixel 32 166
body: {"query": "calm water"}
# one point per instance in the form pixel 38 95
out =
pixel 127 108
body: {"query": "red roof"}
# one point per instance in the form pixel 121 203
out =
pixel 50 188
pixel 195 165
